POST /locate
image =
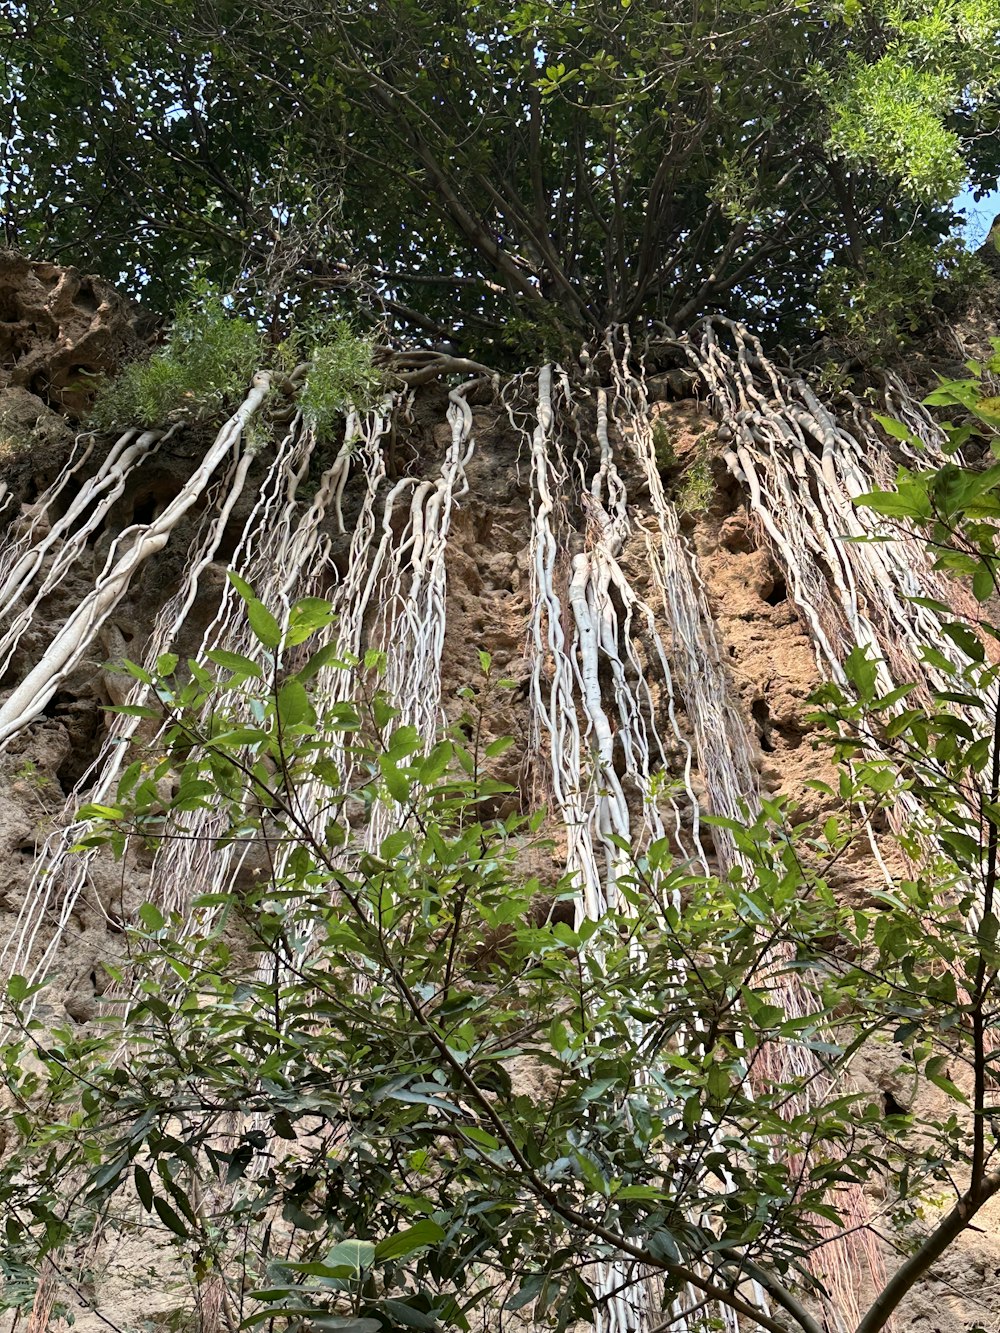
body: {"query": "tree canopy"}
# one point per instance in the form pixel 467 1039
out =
pixel 489 174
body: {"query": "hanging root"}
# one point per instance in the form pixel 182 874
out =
pixel 602 737
pixel 30 697
pixel 635 733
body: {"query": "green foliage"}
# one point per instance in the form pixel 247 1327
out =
pixel 894 114
pixel 341 372
pixel 874 311
pixel 693 486
pixel 697 486
pixel 204 369
pixel 897 112
pixel 602 134
pixel 16 443
pixel 663 445
pixel 29 772
pixel 442 1101
pixel 210 355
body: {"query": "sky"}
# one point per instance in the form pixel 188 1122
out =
pixel 979 217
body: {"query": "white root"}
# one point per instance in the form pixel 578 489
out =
pixel 29 698
pixel 56 544
pixel 635 732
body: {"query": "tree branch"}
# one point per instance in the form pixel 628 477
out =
pixel 952 1225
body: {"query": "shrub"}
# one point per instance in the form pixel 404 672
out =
pixel 386 1167
pixel 698 485
pixel 204 368
pixel 874 313
pixel 342 372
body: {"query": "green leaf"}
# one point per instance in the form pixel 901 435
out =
pixel 19 990
pixel 241 586
pixel 281 1123
pixel 406 1242
pixel 383 711
pixel 526 1293
pixel 896 429
pixel 94 811
pixel 862 671
pixel 909 501
pixel 481 1138
pixel 169 1218
pixel 647 1193
pixel 329 1323
pixel 970 643
pixel 328 655
pixel 109 1173
pixel 933 1070
pixel 435 764
pixel 265 627
pixel 422 1099
pixel 398 783
pixel 306 617
pixel 263 624
pixel 293 703
pixel 982 583
pixel 408 1316
pixel 393 845
pixel 151 917
pixel 136 672
pixel 354 1254
pixel 144 1188
pixel 235 662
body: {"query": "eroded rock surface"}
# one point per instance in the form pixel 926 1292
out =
pixel 60 329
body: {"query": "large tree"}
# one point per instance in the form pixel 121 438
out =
pixel 493 173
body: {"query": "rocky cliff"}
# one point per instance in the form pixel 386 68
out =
pixel 651 559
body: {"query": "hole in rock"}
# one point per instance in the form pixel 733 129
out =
pixel 778 594
pixel 87 299
pixel 10 306
pixel 144 509
pixel 891 1105
pixel 552 911
pixel 761 715
pixel 85 722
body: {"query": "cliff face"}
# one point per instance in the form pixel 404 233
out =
pixel 710 589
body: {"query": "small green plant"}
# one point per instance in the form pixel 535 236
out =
pixel 832 379
pixel 30 773
pixel 14 446
pixel 663 446
pixel 206 365
pixel 257 435
pixel 342 372
pixel 697 487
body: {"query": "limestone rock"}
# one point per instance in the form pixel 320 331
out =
pixel 59 330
